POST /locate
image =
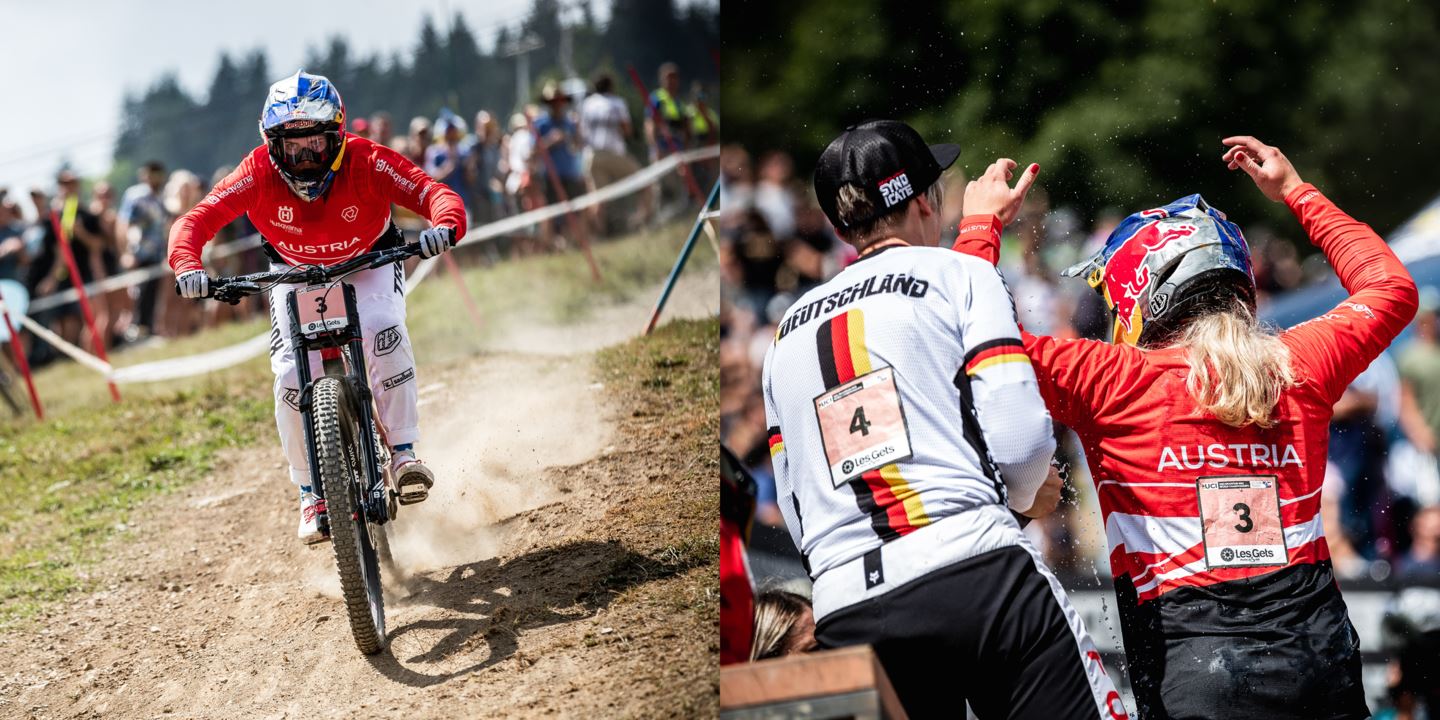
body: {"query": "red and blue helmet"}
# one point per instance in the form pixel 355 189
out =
pixel 1160 268
pixel 304 106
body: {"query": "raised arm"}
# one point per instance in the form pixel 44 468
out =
pixel 1336 347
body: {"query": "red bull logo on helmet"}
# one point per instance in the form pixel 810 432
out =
pixel 1128 274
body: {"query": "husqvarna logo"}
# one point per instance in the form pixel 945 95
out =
pixel 350 213
pixel 286 214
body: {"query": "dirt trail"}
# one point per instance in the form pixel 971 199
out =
pixel 210 608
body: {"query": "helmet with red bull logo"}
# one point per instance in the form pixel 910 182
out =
pixel 303 126
pixel 1160 268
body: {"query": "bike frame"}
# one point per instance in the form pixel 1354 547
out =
pixel 342 353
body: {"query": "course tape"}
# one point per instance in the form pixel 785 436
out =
pixel 219 359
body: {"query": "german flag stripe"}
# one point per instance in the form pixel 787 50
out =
pixel 914 511
pixel 995 352
pixel 865 497
pixel 777 443
pixel 894 507
pixel 855 330
pixel 828 372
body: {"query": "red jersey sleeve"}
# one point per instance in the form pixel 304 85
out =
pixel 1080 380
pixel 402 182
pixel 1333 349
pixel 229 199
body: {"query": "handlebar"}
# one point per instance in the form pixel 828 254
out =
pixel 233 289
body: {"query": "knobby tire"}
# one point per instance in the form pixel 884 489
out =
pixel 355 556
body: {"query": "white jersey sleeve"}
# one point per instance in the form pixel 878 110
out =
pixel 1012 417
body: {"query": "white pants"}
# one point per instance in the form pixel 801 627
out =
pixel 380 300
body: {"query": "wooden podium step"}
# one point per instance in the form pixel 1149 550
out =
pixel 844 683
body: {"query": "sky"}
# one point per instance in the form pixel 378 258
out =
pixel 67 65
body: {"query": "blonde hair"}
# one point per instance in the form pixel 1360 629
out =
pixel 776 612
pixel 1238 369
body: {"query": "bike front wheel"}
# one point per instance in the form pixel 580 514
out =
pixel 342 472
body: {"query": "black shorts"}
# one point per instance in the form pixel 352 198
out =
pixel 1276 646
pixel 988 630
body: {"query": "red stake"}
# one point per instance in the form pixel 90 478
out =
pixel 20 362
pixel 559 187
pixel 454 269
pixel 664 130
pixel 97 342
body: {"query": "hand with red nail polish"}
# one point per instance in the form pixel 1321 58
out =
pixel 991 194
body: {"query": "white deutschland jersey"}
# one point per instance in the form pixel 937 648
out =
pixel 898 394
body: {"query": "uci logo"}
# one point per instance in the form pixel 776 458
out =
pixel 286 213
pixel 847 466
pixel 1227 554
pixel 350 213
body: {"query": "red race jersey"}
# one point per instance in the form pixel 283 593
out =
pixel 342 223
pixel 1186 499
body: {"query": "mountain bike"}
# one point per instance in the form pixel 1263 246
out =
pixel 349 462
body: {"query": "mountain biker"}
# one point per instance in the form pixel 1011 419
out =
pixel 905 424
pixel 320 195
pixel 1206 436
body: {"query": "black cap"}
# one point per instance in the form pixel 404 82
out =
pixel 887 159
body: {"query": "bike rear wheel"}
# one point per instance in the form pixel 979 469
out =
pixel 342 472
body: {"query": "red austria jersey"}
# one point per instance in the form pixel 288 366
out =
pixel 342 223
pixel 1186 499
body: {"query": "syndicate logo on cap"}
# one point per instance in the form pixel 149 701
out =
pixel 896 189
pixel 885 159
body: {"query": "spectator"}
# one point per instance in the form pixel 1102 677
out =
pixel 360 128
pixel 144 226
pixel 775 195
pixel 448 159
pixel 13 256
pixel 560 137
pixel 485 169
pixel 183 191
pixel 418 143
pixel 382 130
pixel 1357 452
pixel 605 125
pixel 784 625
pixel 1422 562
pixel 48 274
pixel 119 308
pixel 673 132
pixel 526 174
pixel 1420 377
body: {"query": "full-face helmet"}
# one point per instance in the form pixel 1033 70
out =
pixel 303 125
pixel 1161 268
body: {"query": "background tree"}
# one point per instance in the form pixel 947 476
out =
pixel 449 67
pixel 1123 104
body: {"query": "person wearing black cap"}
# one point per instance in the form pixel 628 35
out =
pixel 905 427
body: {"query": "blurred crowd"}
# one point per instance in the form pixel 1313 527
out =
pixel 1382 494
pixel 575 137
